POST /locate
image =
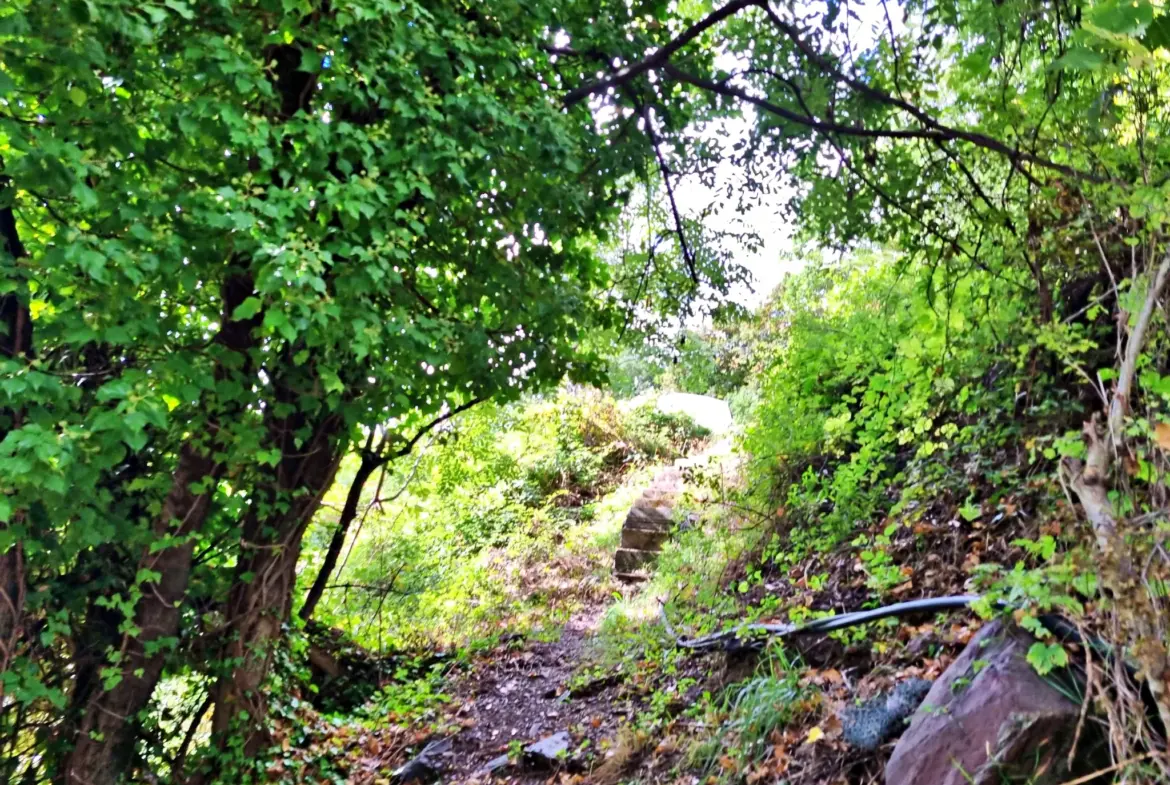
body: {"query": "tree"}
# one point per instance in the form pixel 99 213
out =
pixel 246 236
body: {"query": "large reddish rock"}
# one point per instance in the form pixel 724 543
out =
pixel 989 719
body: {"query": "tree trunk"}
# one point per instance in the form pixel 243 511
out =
pixel 367 467
pixel 15 341
pixel 371 462
pixel 104 740
pixel 1089 480
pixel 261 596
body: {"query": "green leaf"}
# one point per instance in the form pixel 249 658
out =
pixel 1078 58
pixel 1046 657
pixel 1122 17
pixel 277 321
pixel 970 512
pixel 269 457
pixel 247 309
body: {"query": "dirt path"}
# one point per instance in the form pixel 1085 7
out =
pixel 520 694
pixel 512 698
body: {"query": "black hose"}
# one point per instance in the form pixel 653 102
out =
pixel 735 640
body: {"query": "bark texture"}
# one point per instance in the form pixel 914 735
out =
pixel 261 596
pixel 15 341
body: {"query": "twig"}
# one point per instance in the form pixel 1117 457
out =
pixel 1106 770
pixel 1072 750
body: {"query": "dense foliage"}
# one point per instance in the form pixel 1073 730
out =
pixel 250 250
pixel 458 541
pixel 240 237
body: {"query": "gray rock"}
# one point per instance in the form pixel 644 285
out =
pixel 547 753
pixel 868 726
pixel 988 719
pixel 645 516
pixel 493 764
pixel 550 751
pixel 627 561
pixel 644 539
pixel 428 765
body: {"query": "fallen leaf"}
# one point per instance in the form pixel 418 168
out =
pixel 665 747
pixel 756 775
pixel 902 589
pixel 1162 435
pixel 815 735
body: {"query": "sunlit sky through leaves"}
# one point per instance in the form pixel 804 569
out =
pixel 771 262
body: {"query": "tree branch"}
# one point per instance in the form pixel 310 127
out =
pixel 1014 155
pixel 371 461
pixel 661 55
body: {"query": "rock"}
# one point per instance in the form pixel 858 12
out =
pixel 426 766
pixel 492 765
pixel 645 516
pixel 648 524
pixel 627 561
pixel 549 752
pixel 988 719
pixel 644 539
pixel 867 727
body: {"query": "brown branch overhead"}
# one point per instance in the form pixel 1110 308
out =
pixel 660 56
pixel 687 254
pixel 1015 155
pixel 932 129
pixel 731 91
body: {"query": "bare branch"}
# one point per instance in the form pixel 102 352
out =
pixel 1133 348
pixel 661 55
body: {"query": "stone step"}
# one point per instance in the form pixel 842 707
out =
pixel 670 476
pixel 660 497
pixel 644 539
pixel 667 484
pixel 642 516
pixel 628 560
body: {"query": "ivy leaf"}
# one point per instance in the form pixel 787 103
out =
pixel 1046 657
pixel 970 512
pixel 269 457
